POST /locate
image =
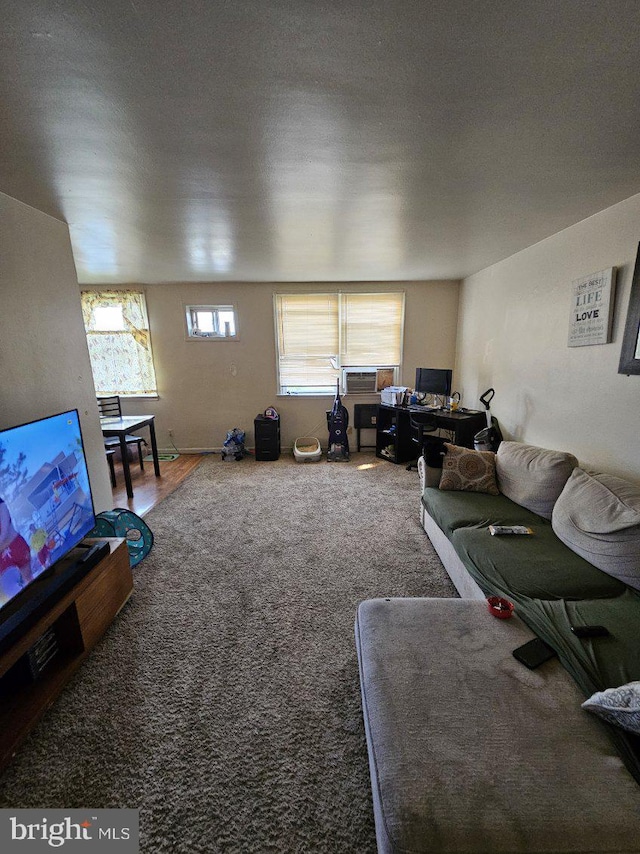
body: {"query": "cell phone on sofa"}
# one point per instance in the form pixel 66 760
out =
pixel 534 653
pixel 590 631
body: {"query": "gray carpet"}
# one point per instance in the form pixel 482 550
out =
pixel 224 700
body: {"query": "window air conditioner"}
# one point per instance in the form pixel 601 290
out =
pixel 359 380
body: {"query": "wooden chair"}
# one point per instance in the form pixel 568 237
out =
pixel 110 407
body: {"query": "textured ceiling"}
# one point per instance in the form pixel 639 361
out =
pixel 275 140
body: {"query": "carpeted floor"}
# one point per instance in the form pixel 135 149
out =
pixel 224 700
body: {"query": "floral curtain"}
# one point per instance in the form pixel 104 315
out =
pixel 121 358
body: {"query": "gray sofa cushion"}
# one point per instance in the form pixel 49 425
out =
pixel 471 752
pixel 598 517
pixel 533 477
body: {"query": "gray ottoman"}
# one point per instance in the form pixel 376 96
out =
pixel 471 752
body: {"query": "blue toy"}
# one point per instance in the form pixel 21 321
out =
pixel 233 446
pixel 127 525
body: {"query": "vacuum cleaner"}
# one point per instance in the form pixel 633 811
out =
pixel 490 437
pixel 338 422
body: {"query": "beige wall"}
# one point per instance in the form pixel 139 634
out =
pixel 43 350
pixel 208 387
pixel 512 335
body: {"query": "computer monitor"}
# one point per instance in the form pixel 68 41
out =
pixel 433 381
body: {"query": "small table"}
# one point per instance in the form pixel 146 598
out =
pixel 120 427
pixel 364 418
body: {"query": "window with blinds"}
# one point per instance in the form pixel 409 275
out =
pixel 320 334
pixel 119 342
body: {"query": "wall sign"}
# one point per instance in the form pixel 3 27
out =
pixel 592 309
pixel 630 353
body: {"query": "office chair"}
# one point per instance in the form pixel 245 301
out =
pixel 110 407
pixel 420 423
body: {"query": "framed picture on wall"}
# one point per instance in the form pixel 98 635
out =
pixel 384 378
pixel 592 309
pixel 630 353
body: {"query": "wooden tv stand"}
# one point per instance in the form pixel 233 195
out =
pixel 79 620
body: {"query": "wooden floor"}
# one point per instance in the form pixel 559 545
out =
pixel 148 489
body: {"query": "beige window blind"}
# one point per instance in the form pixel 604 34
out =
pixel 319 334
pixel 308 342
pixel 371 329
pixel 119 342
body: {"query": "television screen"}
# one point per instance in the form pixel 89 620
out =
pixel 433 381
pixel 46 506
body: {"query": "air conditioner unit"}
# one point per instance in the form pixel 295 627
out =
pixel 359 380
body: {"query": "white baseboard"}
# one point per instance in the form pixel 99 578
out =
pixel 173 450
pixel 186 451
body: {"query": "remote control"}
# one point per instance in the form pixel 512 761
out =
pixel 499 530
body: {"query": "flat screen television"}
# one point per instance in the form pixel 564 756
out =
pixel 433 381
pixel 46 509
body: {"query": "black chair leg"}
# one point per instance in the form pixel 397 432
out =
pixel 140 455
pixel 112 469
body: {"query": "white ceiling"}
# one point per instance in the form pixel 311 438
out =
pixel 311 140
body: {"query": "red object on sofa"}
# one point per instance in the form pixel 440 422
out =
pixel 500 608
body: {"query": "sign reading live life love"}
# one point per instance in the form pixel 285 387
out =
pixel 592 308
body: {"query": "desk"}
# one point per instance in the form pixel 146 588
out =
pixel 119 427
pixel 393 430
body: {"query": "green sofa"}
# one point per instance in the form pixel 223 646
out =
pixel 468 750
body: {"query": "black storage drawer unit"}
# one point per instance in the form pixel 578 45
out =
pixel 267 433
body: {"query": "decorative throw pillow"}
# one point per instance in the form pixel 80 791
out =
pixel 619 706
pixel 533 477
pixel 464 470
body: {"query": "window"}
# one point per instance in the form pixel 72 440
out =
pixel 320 334
pixel 211 322
pixel 119 342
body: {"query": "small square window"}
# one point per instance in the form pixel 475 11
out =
pixel 211 322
